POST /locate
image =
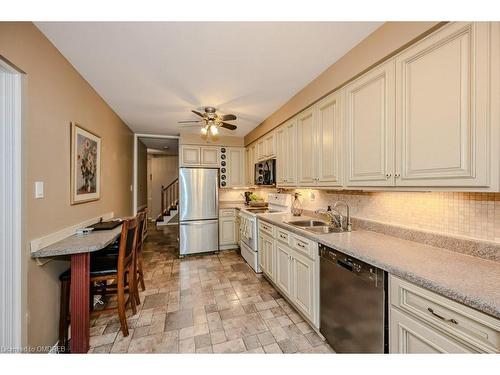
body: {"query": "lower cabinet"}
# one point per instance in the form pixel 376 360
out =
pixel 294 271
pixel 228 229
pixel 267 255
pixel 421 321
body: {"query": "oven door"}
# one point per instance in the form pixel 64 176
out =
pixel 247 233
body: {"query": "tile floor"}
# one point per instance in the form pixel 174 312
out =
pixel 204 304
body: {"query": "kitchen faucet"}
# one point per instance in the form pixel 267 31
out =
pixel 348 226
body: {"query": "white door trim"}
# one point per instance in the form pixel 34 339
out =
pixel 11 206
pixel 136 184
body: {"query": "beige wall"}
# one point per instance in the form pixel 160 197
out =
pixel 56 95
pixel 142 174
pixel 163 170
pixel 382 43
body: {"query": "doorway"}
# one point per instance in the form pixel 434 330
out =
pixel 11 206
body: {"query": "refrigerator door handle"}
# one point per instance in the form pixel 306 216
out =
pixel 204 222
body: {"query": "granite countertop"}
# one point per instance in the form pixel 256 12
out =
pixel 79 243
pixel 231 204
pixel 463 278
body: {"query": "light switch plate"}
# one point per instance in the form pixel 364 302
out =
pixel 39 189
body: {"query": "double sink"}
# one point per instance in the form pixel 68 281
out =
pixel 315 226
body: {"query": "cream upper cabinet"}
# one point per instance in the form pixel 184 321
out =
pixel 369 125
pixel 286 148
pixel 235 167
pixel 328 141
pixel 201 156
pixel 209 156
pixel 442 107
pixel 306 142
pixel 190 155
pixel 250 164
pixel 266 147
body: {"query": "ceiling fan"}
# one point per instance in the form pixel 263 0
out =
pixel 211 122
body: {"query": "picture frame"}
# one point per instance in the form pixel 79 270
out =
pixel 85 165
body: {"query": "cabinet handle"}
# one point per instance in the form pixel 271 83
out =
pixel 283 237
pixel 301 245
pixel 397 175
pixel 441 317
pixel 388 175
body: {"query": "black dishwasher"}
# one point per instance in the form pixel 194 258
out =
pixel 353 297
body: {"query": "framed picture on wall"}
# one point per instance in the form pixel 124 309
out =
pixel 85 165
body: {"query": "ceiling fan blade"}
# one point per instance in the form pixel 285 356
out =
pixel 228 126
pixel 187 122
pixel 228 117
pixel 198 113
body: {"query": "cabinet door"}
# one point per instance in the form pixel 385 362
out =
pixel 443 91
pixel 268 243
pixel 259 150
pixel 190 155
pixel 235 167
pixel 251 165
pixel 328 142
pixel 409 335
pixel 290 147
pixel 306 143
pixel 209 156
pixel 369 123
pixel 303 284
pixel 262 253
pixel 284 268
pixel 281 155
pixel 269 146
pixel 227 231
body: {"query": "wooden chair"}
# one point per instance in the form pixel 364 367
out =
pixel 142 231
pixel 119 270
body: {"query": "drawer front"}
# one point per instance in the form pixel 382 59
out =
pixel 227 212
pixel 282 236
pixel 266 228
pixel 304 246
pixel 459 321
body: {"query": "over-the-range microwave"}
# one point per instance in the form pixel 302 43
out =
pixel 265 172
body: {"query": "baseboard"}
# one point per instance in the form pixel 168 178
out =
pixel 52 238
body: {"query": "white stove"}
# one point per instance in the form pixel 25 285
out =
pixel 277 204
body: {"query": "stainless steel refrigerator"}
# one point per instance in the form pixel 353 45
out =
pixel 198 210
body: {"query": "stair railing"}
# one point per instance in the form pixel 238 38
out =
pixel 169 196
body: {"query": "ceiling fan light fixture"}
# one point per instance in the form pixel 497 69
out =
pixel 214 130
pixel 204 130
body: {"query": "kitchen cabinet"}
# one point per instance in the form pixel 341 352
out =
pixel 369 125
pixel 284 268
pixel 266 148
pixel 199 156
pixel 293 268
pixel 319 143
pixel 266 248
pixel 442 107
pixel 306 142
pixel 235 167
pixel 286 153
pixel 228 229
pixel 303 269
pixel 250 166
pixel 421 321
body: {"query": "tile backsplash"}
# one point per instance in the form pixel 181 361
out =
pixel 472 215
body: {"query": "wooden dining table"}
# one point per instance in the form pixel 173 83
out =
pixel 79 247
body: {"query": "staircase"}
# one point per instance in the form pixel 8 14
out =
pixel 169 204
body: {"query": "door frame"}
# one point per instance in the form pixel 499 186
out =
pixel 135 169
pixel 13 293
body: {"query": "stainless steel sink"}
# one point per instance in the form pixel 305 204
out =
pixel 308 223
pixel 315 226
pixel 325 230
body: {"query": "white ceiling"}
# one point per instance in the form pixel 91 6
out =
pixel 159 144
pixel 153 73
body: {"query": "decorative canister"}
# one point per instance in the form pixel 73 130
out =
pixel 297 206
